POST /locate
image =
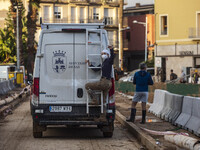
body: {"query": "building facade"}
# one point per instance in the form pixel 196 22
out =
pixel 134 38
pixel 177 36
pixel 5 4
pixel 83 11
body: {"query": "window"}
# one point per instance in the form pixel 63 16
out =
pixel 57 12
pixel 108 14
pixel 82 14
pixel 198 24
pixel 128 37
pixel 46 12
pixel 73 14
pixel 164 25
pixel 111 37
pixel 96 13
pixel 197 62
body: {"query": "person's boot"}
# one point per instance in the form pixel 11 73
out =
pixel 132 116
pixel 143 117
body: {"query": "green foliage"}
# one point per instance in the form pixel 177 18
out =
pixel 8 37
pixel 150 63
pixel 7 42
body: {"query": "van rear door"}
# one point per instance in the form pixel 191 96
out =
pixel 57 67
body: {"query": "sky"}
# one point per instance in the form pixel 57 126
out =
pixel 142 2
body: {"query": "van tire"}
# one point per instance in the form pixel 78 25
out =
pixel 108 130
pixel 37 134
pixel 108 134
pixel 37 130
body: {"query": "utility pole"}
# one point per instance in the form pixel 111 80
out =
pixel 17 6
pixel 18 62
pixel 121 35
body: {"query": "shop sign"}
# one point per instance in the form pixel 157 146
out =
pixel 186 52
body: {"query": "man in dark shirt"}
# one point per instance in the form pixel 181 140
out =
pixel 142 79
pixel 173 76
pixel 105 83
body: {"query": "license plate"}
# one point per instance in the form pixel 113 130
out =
pixel 60 108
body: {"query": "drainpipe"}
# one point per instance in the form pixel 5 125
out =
pixel 121 35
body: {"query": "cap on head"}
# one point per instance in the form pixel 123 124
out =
pixel 106 51
pixel 143 66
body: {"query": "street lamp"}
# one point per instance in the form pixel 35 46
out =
pixel 121 47
pixel 145 25
pixel 16 7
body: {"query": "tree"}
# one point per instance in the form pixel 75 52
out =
pixel 32 28
pixel 8 35
pixel 7 46
pixel 22 21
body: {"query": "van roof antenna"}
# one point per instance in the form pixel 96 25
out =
pixel 40 20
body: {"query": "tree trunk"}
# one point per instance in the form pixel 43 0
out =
pixel 32 19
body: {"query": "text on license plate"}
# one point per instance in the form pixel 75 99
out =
pixel 60 108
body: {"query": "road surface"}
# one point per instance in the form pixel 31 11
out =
pixel 16 134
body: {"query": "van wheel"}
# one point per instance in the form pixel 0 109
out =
pixel 37 134
pixel 108 130
pixel 108 134
pixel 37 130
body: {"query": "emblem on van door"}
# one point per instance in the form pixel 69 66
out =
pixel 59 61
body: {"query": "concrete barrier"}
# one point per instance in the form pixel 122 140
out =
pixel 193 125
pixel 6 86
pixel 158 102
pixel 186 111
pixel 167 106
pixel 176 108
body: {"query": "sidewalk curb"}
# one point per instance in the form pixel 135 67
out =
pixel 144 138
pixel 14 103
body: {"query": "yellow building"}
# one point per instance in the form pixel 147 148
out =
pixel 177 36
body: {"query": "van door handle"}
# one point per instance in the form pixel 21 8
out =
pixel 40 55
pixel 79 92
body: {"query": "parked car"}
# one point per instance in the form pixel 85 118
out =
pixel 129 77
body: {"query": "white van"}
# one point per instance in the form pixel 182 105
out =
pixel 60 74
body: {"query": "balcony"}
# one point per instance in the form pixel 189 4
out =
pixel 111 22
pixel 78 1
pixel 54 20
pixel 112 2
pixel 194 34
pixel 55 1
pixel 95 1
pixel 48 1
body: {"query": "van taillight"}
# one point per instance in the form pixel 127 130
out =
pixel 111 94
pixel 36 86
pixel 112 90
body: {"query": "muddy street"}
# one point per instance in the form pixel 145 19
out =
pixel 16 134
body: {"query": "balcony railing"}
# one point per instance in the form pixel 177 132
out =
pixel 95 1
pixel 194 33
pixel 55 1
pixel 110 20
pixel 112 1
pixel 85 1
